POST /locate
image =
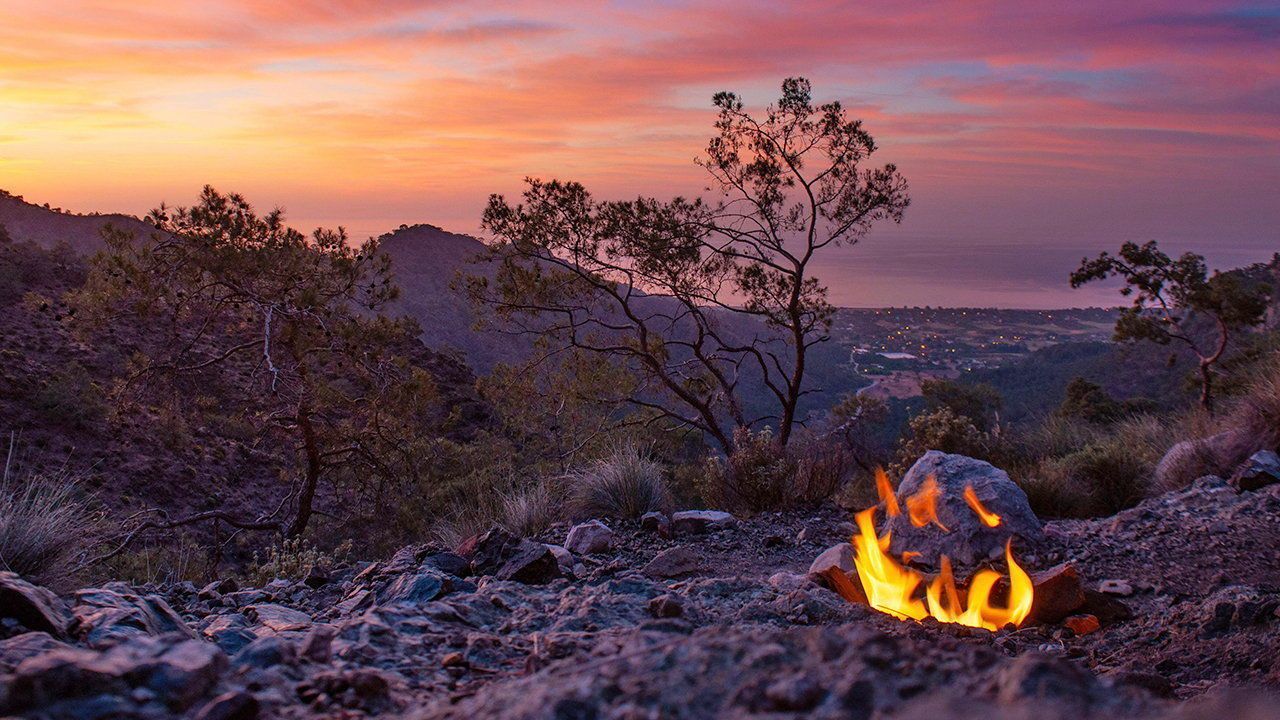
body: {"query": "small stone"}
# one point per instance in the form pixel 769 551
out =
pixel 278 618
pixel 447 562
pixel 837 556
pixel 589 538
pixel 772 541
pixel 1260 470
pixel 186 672
pixel 317 646
pixel 794 694
pixel 787 582
pixel 266 652
pixel 235 705
pixel 1058 593
pixel 531 563
pixel 1082 624
pixel 564 558
pixel 1119 588
pixel 665 606
pixel 655 522
pixel 414 589
pixel 696 522
pixel 673 562
pixel 454 659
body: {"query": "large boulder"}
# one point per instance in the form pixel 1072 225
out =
pixel 966 539
pixel 33 606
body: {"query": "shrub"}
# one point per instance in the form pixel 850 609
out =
pixel 941 429
pixel 44 523
pixel 1100 479
pixel 293 559
pixel 70 397
pixel 625 484
pixel 762 475
pixel 529 511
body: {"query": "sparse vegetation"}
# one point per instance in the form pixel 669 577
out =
pixel 762 474
pixel 46 523
pixel 626 483
pixel 293 559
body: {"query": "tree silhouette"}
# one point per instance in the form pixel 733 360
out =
pixel 1169 295
pixel 656 285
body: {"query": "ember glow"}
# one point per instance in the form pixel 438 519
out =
pixel 895 589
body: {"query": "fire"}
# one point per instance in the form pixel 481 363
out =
pixel 922 507
pixel 988 518
pixel 893 588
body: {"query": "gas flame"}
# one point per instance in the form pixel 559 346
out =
pixel 922 507
pixel 988 518
pixel 885 490
pixel 893 588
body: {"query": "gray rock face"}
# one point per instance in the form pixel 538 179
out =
pixel 693 522
pixel 173 670
pixel 105 616
pixel 589 538
pixel 426 585
pixel 35 607
pixel 1260 470
pixel 967 539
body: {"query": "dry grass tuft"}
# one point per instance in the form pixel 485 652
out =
pixel 625 484
pixel 45 526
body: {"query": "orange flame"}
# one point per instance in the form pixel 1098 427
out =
pixel 988 518
pixel 922 507
pixel 885 491
pixel 893 589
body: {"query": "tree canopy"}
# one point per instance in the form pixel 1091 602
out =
pixel 698 297
pixel 1170 294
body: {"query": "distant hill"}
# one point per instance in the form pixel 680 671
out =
pixel 47 227
pixel 425 260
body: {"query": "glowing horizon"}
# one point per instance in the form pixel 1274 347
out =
pixel 1031 134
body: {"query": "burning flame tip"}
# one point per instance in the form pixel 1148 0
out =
pixel 892 588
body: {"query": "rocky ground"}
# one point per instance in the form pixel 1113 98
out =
pixel 711 616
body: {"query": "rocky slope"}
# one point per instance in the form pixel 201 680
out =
pixel 709 616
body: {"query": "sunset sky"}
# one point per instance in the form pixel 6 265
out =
pixel 1031 132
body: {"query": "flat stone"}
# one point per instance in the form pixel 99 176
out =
pixel 589 538
pixel 278 618
pixel 1119 588
pixel 674 562
pixel 35 607
pixel 27 645
pixel 696 522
